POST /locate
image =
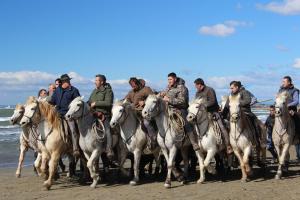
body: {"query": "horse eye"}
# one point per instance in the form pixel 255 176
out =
pixel 32 108
pixel 78 104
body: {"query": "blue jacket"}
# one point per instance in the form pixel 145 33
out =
pixel 62 98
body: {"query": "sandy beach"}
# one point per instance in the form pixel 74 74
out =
pixel 29 186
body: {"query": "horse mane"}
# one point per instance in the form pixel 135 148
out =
pixel 31 99
pixel 51 115
pixel 284 95
pixel 19 107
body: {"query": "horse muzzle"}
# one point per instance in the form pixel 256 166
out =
pixel 113 124
pixel 190 118
pixel 23 123
pixel 13 121
pixel 146 115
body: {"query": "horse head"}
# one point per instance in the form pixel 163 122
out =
pixel 281 103
pixel 75 109
pixel 120 110
pixel 234 107
pixel 30 111
pixel 196 109
pixel 17 115
pixel 151 108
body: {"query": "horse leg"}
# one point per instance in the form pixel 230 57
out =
pixel 37 164
pixel 44 165
pixel 210 154
pixel 247 153
pixel 122 155
pixel 200 157
pixel 185 158
pixel 281 159
pixel 157 162
pixel 242 165
pixel 23 150
pixel 170 163
pixel 136 166
pixel 53 163
pixel 72 166
pixel 91 165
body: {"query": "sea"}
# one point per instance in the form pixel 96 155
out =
pixel 10 134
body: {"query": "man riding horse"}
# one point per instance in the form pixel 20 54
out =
pixel 101 101
pixel 208 93
pixel 176 96
pixel 61 98
pixel 288 86
pixel 137 97
pixel 245 103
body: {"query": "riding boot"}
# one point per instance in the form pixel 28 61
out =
pixel 224 132
pixel 194 141
pixel 75 138
pixel 152 142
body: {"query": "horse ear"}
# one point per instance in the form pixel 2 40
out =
pixel 82 97
pixel 125 101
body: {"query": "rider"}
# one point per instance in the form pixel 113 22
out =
pixel 101 101
pixel 293 102
pixel 61 98
pixel 137 96
pixel 176 96
pixel 269 125
pixel 209 94
pixel 245 104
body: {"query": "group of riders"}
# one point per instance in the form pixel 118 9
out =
pixel 176 96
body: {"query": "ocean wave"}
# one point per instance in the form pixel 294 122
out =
pixel 9 126
pixel 4 119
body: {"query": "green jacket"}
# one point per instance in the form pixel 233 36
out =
pixel 103 97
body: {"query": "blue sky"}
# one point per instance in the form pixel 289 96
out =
pixel 254 41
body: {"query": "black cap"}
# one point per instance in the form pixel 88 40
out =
pixel 65 77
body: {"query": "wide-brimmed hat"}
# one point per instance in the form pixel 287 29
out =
pixel 65 77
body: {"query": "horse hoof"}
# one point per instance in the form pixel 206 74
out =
pixel 47 185
pixel 212 170
pixel 277 177
pixel 93 185
pixel 244 180
pixel 18 175
pixel 200 181
pixel 133 183
pixel 167 185
pixel 250 173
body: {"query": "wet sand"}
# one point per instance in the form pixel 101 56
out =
pixel 261 186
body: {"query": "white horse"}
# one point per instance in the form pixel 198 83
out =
pixel 91 142
pixel 283 131
pixel 241 137
pixel 209 135
pixel 123 114
pixel 52 140
pixel 167 138
pixel 26 140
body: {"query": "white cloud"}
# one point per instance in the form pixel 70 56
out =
pixel 297 63
pixel 220 30
pixel 282 48
pixel 285 7
pixel 223 29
